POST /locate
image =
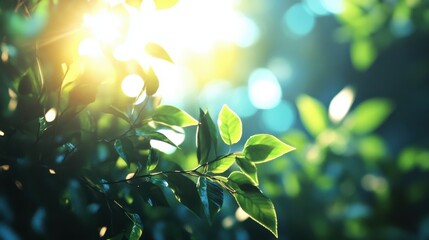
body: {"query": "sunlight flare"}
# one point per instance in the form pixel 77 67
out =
pixel 132 85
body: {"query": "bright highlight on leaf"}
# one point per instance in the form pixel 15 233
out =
pixel 230 126
pixel 103 231
pixel 50 115
pixel 340 104
pixel 173 116
pixel 132 85
pixel 222 165
pixel 262 148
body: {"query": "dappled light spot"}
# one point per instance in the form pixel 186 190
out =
pixel 89 47
pixel 299 20
pixel 177 136
pixel 102 231
pixel 340 104
pixel 50 115
pixel 162 146
pixel 333 6
pixel 13 102
pixel 264 89
pixel 279 118
pixel 132 85
pixel 129 176
pixel 52 171
pixel 374 183
pixel 18 184
pixel 241 215
pixel 240 102
pixel 228 222
pixel 5 167
pixel 175 82
pixel 1 133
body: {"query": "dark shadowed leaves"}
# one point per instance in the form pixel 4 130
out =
pixel 211 195
pixel 186 192
pixel 206 137
pixel 125 148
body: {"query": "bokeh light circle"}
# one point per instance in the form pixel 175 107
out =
pixel 264 89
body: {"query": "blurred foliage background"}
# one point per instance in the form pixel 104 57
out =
pixel 344 81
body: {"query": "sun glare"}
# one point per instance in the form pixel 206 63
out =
pixel 132 85
pixel 191 29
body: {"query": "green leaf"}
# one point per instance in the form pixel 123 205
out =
pixel 314 115
pixel 151 81
pixel 186 192
pixel 222 164
pixel 152 160
pixel 206 137
pixel 369 115
pixel 253 202
pixel 248 168
pixel 262 148
pixel 83 94
pixel 363 54
pixel 211 195
pixel 230 126
pixel 156 136
pixel 155 50
pixel 163 4
pixel 117 112
pixel 125 148
pixel 173 116
pixel 152 194
pixel 136 230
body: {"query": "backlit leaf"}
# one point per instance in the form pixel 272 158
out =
pixel 157 51
pixel 314 115
pixel 253 202
pixel 151 81
pixel 173 116
pixel 363 54
pixel 264 147
pixel 248 168
pixel 230 126
pixel 369 115
pixel 222 165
